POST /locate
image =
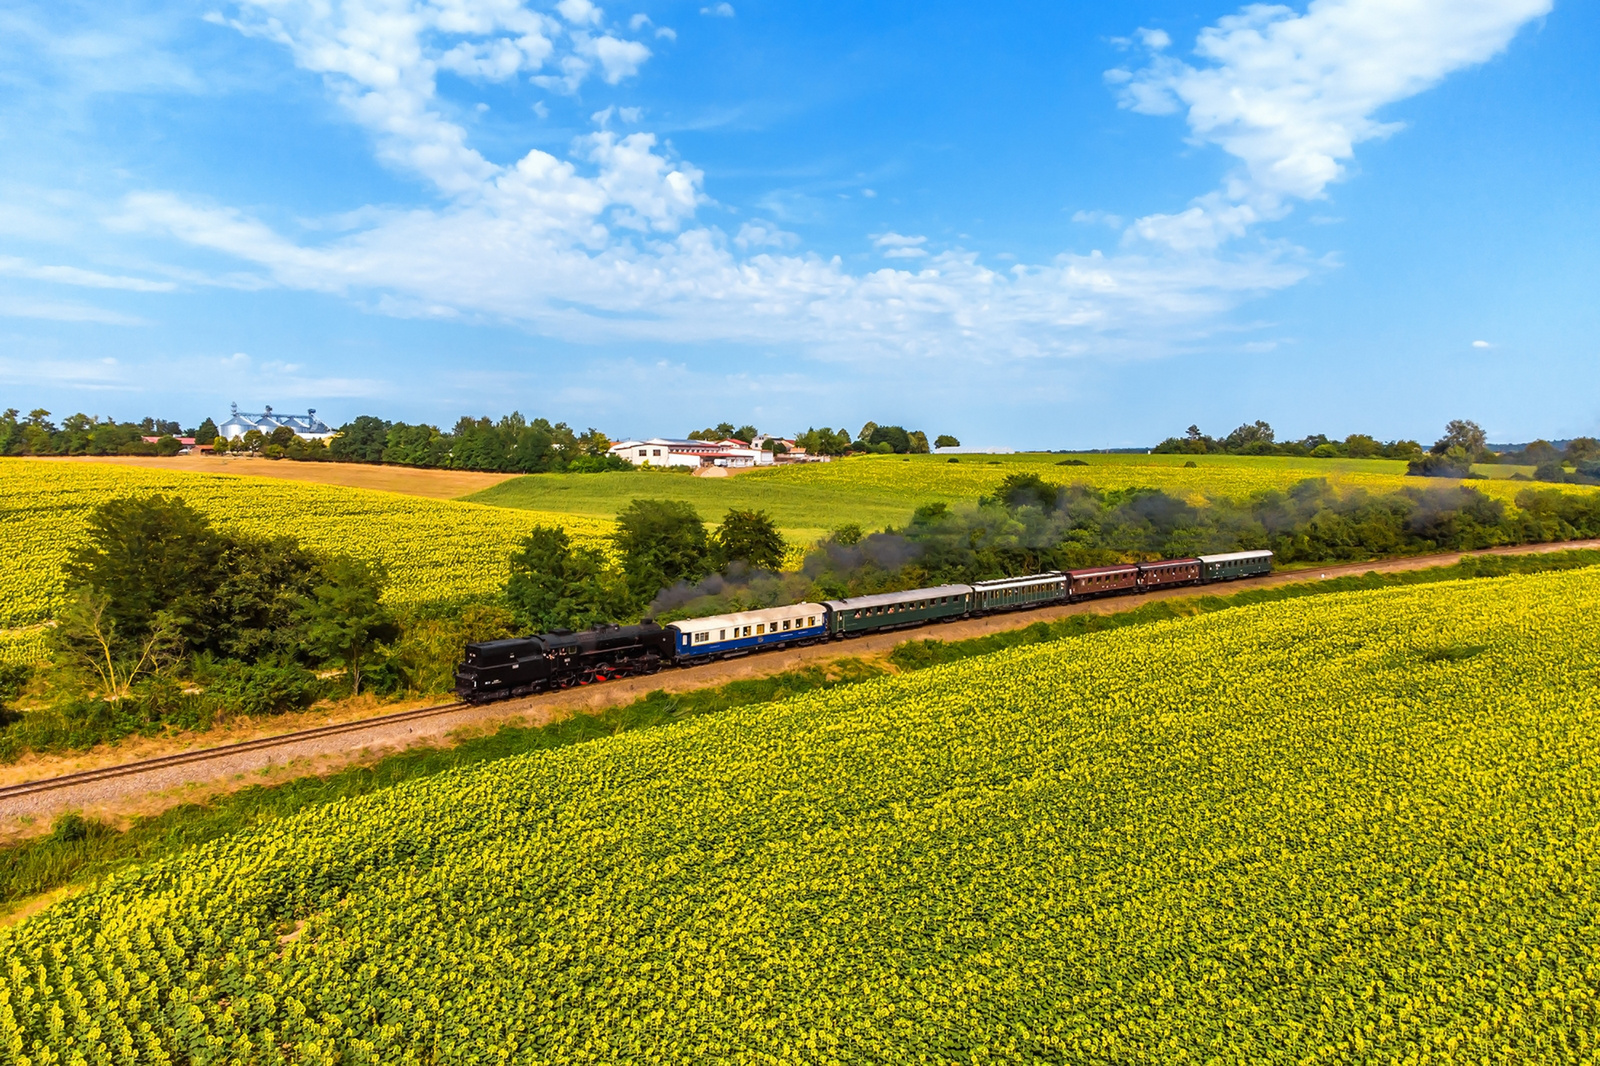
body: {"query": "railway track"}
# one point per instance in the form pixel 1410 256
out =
pixel 223 751
pixel 106 773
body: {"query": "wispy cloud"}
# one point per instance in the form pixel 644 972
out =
pixel 722 11
pixel 12 306
pixel 89 279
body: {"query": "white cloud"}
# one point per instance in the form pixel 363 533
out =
pixel 580 12
pixel 1290 95
pixel 1097 218
pixel 603 242
pixel 722 11
pixel 896 246
pixel 667 33
pixel 1482 344
pixel 759 234
pixel 618 58
pixel 1155 40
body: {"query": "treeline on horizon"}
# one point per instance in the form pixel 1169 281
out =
pixel 510 444
pixel 514 444
pixel 1453 455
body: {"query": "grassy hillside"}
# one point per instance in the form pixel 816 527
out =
pixel 433 549
pixel 876 491
pixel 1356 827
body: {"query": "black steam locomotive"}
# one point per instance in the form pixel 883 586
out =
pixel 521 666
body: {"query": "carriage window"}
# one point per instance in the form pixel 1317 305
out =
pixel 722 634
pixel 785 623
pixel 760 629
pixel 811 620
pixel 701 638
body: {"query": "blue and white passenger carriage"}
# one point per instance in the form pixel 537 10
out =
pixel 724 634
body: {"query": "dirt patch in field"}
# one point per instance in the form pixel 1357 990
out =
pixel 430 484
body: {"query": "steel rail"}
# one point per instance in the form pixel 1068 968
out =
pixel 221 751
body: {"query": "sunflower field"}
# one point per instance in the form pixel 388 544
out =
pixel 1354 828
pixel 433 549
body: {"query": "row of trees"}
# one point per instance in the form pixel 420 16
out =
pixel 1453 455
pixel 511 444
pixel 1259 438
pixel 873 438
pixel 82 434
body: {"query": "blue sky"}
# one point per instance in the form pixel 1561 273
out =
pixel 1042 225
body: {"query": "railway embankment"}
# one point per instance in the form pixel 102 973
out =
pixel 107 784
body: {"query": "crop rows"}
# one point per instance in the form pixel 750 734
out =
pixel 432 549
pixel 1352 828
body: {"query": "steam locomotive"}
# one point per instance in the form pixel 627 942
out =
pixel 522 666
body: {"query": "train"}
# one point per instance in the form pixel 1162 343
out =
pixel 523 666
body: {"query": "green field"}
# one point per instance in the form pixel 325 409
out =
pixel 1358 827
pixel 878 491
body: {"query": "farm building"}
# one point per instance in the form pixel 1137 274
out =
pixel 668 451
pixel 307 426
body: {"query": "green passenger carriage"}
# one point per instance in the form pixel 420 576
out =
pixel 892 610
pixel 1234 565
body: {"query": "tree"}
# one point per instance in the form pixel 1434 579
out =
pixel 865 436
pixel 207 433
pixel 283 436
pixel 661 543
pixel 750 537
pixel 1540 453
pixel 1361 446
pixel 556 586
pixel 1464 434
pixel 146 557
pixel 361 441
pixel 898 440
pixel 1027 490
pixel 746 433
pixel 88 635
pixel 1250 438
pixel 824 441
pixel 1582 448
pixel 917 442
pixel 945 440
pixel 10 432
pixel 345 620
